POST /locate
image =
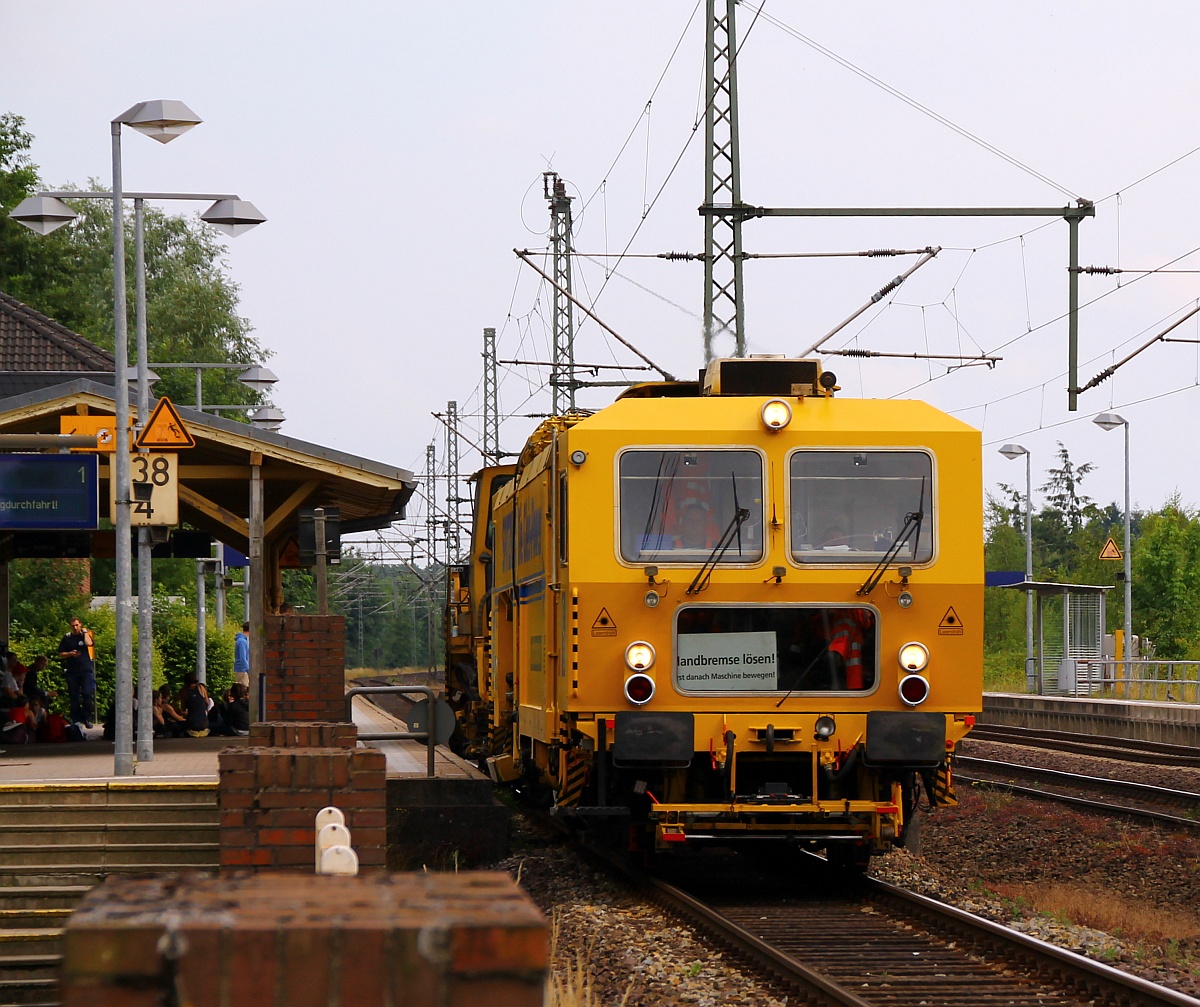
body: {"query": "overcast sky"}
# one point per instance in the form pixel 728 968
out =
pixel 398 149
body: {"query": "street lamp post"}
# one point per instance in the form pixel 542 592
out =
pixel 1110 421
pixel 162 121
pixel 1012 452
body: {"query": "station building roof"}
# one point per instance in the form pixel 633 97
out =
pixel 48 372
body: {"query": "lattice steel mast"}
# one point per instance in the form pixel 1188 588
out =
pixel 431 502
pixel 562 372
pixel 723 314
pixel 491 401
pixel 453 542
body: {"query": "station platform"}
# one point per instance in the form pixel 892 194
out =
pixel 1166 723
pixel 195 759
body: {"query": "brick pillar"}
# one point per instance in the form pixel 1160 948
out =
pixel 270 792
pixel 305 664
pixel 421 940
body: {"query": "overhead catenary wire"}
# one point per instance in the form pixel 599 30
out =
pixel 524 256
pixel 912 102
pixel 875 299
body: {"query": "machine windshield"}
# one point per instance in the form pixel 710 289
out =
pixel 676 504
pixel 850 506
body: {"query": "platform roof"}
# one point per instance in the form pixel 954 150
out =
pixel 1049 587
pixel 214 476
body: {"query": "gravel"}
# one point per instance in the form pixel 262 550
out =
pixel 974 857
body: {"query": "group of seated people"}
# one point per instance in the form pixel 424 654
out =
pixel 195 714
pixel 26 715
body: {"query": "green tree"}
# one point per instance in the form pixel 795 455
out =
pixel 191 300
pixel 1166 563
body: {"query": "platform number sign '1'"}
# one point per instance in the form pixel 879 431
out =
pixel 153 489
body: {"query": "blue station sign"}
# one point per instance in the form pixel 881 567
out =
pixel 49 492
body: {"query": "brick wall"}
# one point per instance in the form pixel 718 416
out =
pixel 269 793
pixel 450 940
pixel 305 665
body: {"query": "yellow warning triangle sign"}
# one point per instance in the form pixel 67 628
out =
pixel 951 624
pixel 1110 550
pixel 165 430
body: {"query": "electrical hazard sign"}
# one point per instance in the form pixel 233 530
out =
pixel 165 430
pixel 604 624
pixel 950 625
pixel 1110 550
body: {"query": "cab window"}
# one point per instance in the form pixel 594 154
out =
pixel 850 507
pixel 676 506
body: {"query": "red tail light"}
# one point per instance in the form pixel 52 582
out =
pixel 914 690
pixel 639 689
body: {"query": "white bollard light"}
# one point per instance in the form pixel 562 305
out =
pixel 330 816
pixel 330 835
pixel 339 860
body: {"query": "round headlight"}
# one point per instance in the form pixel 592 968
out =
pixel 639 689
pixel 825 726
pixel 914 690
pixel 578 457
pixel 776 414
pixel 905 599
pixel 914 656
pixel 639 656
pixel 652 598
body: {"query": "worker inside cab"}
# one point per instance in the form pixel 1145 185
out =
pixel 695 528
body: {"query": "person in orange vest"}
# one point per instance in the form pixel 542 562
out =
pixel 846 637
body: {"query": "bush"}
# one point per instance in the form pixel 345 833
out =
pixel 175 639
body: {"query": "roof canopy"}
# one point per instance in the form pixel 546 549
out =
pixel 214 476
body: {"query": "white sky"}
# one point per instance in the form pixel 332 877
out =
pixel 397 150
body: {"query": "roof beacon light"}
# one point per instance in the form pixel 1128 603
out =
pixel 776 414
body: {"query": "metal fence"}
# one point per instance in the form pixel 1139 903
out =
pixel 1144 679
pixel 429 736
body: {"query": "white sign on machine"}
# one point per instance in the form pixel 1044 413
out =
pixel 726 662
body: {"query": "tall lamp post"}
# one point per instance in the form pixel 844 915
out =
pixel 1013 452
pixel 162 120
pixel 46 212
pixel 1110 421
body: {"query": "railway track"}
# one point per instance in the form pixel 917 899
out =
pixel 1137 800
pixel 865 943
pixel 1124 749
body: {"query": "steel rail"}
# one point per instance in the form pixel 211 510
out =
pixel 1140 791
pixel 1112 810
pixel 1122 749
pixel 1031 960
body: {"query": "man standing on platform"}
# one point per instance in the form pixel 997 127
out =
pixel 76 652
pixel 241 656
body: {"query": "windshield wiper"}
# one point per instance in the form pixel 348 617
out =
pixel 732 530
pixel 911 529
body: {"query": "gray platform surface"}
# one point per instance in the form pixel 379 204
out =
pixel 1168 723
pixel 408 758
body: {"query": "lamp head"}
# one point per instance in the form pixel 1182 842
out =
pixel 161 120
pixel 42 214
pixel 233 216
pixel 267 417
pixel 1110 421
pixel 1014 451
pixel 257 377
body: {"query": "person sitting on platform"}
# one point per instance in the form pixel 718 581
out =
pixel 196 704
pixel 27 679
pixel 17 728
pixel 237 709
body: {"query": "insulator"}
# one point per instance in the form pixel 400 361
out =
pixel 680 256
pixel 883 251
pixel 884 291
pixel 856 353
